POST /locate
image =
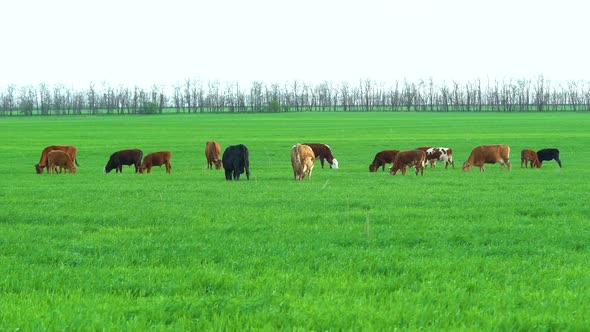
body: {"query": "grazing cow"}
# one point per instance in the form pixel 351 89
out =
pixel 69 149
pixel 323 153
pixel 548 154
pixel 235 160
pixel 302 160
pixel 124 157
pixel 58 158
pixel 156 159
pixel 488 154
pixel 382 158
pixel 416 158
pixel 440 154
pixel 212 152
pixel 527 156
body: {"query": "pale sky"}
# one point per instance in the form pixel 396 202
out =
pixel 75 42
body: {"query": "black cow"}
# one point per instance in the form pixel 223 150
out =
pixel 235 159
pixel 548 154
pixel 124 157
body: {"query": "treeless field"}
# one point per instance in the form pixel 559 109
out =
pixel 347 250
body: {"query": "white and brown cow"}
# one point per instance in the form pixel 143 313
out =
pixel 212 153
pixel 382 158
pixel 404 159
pixel 440 154
pixel 302 160
pixel 323 153
pixel 488 154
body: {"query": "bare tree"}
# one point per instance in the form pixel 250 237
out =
pixel 8 100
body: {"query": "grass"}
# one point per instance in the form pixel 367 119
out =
pixel 347 250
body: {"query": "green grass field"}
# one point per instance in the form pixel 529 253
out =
pixel 348 250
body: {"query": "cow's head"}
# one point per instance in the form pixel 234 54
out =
pixel 334 164
pixel 537 164
pixel 217 163
pixel 38 169
pixel 108 167
pixel 73 170
pixel 373 168
pixel 466 166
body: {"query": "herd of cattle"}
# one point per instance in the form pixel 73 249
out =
pixel 235 159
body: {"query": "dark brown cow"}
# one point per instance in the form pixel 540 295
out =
pixel 156 159
pixel 416 158
pixel 212 153
pixel 323 153
pixel 302 160
pixel 527 156
pixel 440 154
pixel 69 149
pixel 124 157
pixel 382 158
pixel 488 154
pixel 58 158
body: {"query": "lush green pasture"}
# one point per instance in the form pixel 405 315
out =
pixel 348 250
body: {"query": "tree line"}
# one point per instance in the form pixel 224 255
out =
pixel 198 96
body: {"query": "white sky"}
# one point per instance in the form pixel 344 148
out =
pixel 75 42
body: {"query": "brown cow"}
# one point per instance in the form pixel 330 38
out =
pixel 212 153
pixel 58 158
pixel 382 158
pixel 416 158
pixel 440 154
pixel 527 156
pixel 323 153
pixel 302 160
pixel 69 149
pixel 488 154
pixel 156 159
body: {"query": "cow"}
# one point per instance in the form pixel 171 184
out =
pixel 302 160
pixel 58 158
pixel 124 157
pixel 527 156
pixel 69 149
pixel 235 160
pixel 548 154
pixel 416 158
pixel 323 153
pixel 440 154
pixel 212 152
pixel 488 154
pixel 156 159
pixel 382 158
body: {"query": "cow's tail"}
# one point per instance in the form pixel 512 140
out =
pixel 76 161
